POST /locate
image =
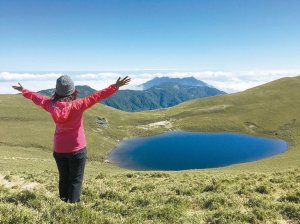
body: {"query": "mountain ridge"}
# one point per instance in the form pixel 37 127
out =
pixel 165 93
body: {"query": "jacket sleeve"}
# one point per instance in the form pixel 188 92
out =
pixel 94 98
pixel 36 98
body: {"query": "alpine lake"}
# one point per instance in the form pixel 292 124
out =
pixel 182 150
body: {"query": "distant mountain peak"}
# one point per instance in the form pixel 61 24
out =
pixel 157 81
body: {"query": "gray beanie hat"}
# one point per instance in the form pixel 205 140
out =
pixel 64 86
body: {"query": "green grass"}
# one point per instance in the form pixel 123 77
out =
pixel 263 191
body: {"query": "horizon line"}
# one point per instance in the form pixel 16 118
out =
pixel 183 70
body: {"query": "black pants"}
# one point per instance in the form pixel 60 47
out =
pixel 71 170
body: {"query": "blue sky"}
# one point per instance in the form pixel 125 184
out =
pixel 149 34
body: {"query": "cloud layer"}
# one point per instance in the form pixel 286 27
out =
pixel 224 80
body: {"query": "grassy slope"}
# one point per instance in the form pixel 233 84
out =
pixel 271 110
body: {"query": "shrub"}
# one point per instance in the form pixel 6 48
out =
pixel 16 214
pixel 224 216
pixel 262 189
pixel 111 195
pixel 290 211
pixel 212 186
pixel 166 213
pixel 159 175
pixel 141 202
pixel 8 177
pixel 291 197
pixel 100 176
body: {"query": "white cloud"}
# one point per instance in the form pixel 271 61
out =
pixel 8 76
pixel 96 76
pixel 227 81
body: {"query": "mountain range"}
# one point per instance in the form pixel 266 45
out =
pixel 160 92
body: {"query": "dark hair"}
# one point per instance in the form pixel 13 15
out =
pixel 68 98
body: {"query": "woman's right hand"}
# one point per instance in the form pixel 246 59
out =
pixel 121 82
pixel 19 88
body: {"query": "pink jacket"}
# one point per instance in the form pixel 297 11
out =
pixel 68 116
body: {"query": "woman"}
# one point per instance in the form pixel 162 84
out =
pixel 69 148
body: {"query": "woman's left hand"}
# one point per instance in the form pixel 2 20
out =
pixel 123 81
pixel 19 88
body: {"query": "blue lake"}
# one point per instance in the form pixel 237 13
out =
pixel 181 150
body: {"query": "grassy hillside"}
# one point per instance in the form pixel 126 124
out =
pixel 253 192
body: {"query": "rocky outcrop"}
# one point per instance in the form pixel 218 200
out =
pixel 102 121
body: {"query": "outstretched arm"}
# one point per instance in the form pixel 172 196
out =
pixel 94 98
pixel 35 97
